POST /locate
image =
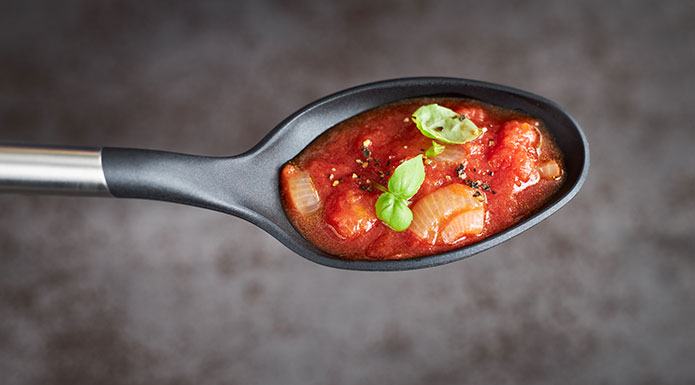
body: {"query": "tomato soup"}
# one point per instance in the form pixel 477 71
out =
pixel 470 190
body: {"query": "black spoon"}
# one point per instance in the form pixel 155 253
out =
pixel 246 185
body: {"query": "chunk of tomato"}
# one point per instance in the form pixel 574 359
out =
pixel 475 114
pixel 350 211
pixel 517 151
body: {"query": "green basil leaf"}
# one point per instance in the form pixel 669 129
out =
pixel 393 211
pixel 441 123
pixel 407 178
pixel 435 150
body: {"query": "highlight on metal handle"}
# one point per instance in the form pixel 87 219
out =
pixel 52 170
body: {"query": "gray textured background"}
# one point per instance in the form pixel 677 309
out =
pixel 105 291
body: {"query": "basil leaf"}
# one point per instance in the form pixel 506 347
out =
pixel 441 123
pixel 393 211
pixel 435 150
pixel 407 178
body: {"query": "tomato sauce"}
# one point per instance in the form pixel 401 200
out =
pixel 513 168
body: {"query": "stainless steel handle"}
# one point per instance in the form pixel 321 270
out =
pixel 52 170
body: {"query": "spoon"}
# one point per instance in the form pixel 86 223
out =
pixel 247 185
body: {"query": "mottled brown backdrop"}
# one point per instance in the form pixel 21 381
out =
pixel 106 291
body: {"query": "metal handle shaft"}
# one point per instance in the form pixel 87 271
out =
pixel 52 170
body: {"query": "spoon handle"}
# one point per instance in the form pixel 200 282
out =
pixel 52 170
pixel 214 183
pixel 167 176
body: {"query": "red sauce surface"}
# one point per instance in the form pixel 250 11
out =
pixel 502 164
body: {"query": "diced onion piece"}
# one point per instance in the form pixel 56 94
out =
pixel 467 222
pixel 435 208
pixel 302 192
pixel 549 170
pixel 453 154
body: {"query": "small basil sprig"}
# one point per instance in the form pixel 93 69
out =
pixel 443 124
pixel 392 205
pixel 434 150
pixel 394 211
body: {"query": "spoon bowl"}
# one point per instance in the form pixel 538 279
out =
pixel 247 185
